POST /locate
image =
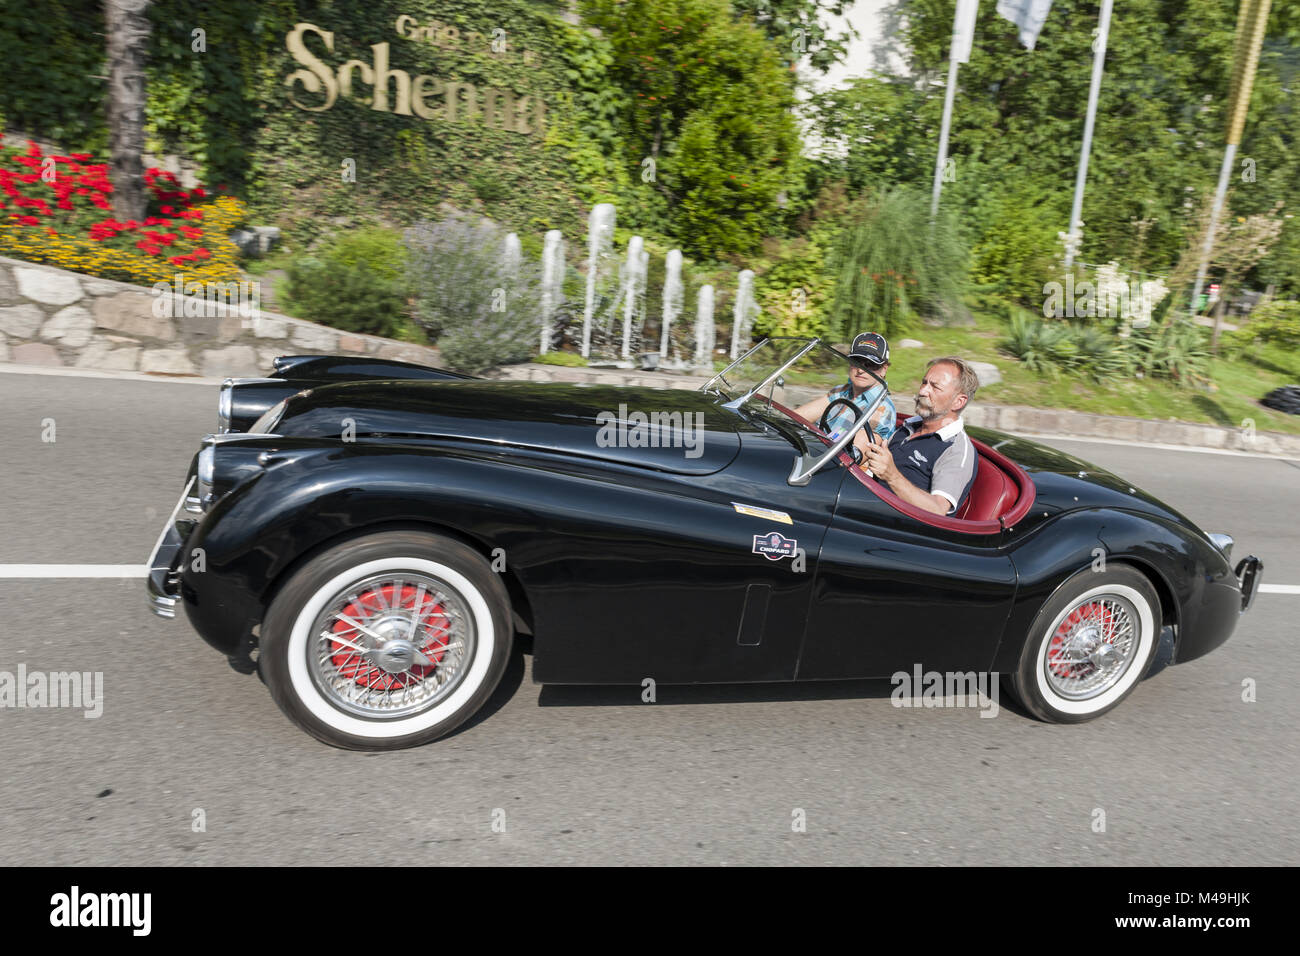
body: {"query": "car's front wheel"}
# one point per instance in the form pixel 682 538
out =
pixel 387 641
pixel 1089 645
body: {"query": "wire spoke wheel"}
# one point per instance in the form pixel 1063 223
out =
pixel 391 645
pixel 1092 646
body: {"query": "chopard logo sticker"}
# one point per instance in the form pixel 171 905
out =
pixel 756 512
pixel 774 546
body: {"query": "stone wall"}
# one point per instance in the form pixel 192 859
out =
pixel 52 317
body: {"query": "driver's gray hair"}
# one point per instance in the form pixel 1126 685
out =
pixel 968 382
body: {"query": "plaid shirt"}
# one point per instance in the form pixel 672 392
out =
pixel 844 417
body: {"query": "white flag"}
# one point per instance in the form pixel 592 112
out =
pixel 963 29
pixel 1028 15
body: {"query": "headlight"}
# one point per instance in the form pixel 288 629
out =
pixel 270 418
pixel 1223 542
pixel 224 402
pixel 206 466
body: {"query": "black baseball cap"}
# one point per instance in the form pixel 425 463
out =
pixel 870 346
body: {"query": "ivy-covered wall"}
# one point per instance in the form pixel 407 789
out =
pixel 488 103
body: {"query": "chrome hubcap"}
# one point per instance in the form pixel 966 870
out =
pixel 391 645
pixel 1092 645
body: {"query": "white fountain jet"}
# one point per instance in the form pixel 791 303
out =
pixel 512 254
pixel 552 281
pixel 634 271
pixel 743 316
pixel 600 238
pixel 704 333
pixel 672 297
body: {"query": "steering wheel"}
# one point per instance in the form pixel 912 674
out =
pixel 826 415
pixel 825 421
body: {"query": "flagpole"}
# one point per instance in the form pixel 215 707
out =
pixel 1074 237
pixel 963 35
pixel 1251 20
pixel 943 136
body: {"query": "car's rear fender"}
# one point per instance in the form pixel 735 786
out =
pixel 1096 538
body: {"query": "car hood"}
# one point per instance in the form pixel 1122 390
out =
pixel 667 430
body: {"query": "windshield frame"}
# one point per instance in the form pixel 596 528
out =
pixel 806 464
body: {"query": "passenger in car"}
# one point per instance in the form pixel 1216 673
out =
pixel 869 351
pixel 930 461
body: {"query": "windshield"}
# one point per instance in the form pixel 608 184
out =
pixel 785 371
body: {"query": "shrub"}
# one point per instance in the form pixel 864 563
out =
pixel 483 309
pixel 1051 347
pixel 1277 323
pixel 793 295
pixel 1014 255
pixel 570 359
pixel 1176 351
pixel 891 265
pixel 356 283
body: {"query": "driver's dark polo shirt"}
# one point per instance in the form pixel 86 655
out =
pixel 942 462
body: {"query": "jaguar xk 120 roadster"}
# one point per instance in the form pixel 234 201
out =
pixel 371 537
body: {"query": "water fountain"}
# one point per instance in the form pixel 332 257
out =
pixel 672 297
pixel 704 333
pixel 634 273
pixel 746 309
pixel 600 238
pixel 552 281
pixel 512 254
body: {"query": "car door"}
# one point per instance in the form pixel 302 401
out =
pixel 695 579
pixel 893 592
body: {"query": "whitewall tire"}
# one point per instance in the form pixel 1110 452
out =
pixel 387 641
pixel 1089 646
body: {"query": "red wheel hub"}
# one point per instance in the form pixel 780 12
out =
pixel 1096 613
pixel 430 636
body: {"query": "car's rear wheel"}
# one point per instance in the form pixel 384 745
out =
pixel 1089 646
pixel 387 641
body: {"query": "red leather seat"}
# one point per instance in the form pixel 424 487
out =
pixel 991 495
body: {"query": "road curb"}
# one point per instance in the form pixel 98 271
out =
pixel 1016 419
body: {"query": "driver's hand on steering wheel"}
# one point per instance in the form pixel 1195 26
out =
pixel 862 442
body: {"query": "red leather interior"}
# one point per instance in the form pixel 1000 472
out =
pixel 991 495
pixel 1014 502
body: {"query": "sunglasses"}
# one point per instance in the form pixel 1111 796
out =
pixel 865 365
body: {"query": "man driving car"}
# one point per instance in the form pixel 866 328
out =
pixel 930 461
pixel 869 351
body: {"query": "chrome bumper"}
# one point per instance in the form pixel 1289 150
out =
pixel 164 580
pixel 1250 572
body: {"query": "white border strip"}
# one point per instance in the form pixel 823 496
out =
pixel 1280 588
pixel 74 570
pixel 1196 449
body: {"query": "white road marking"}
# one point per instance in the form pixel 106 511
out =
pixel 74 571
pixel 1280 588
pixel 1198 449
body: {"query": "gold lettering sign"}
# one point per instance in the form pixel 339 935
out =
pixel 396 91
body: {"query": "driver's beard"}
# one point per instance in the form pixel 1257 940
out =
pixel 934 414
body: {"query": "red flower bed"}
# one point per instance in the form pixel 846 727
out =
pixel 70 196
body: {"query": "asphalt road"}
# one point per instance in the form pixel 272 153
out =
pixel 1185 771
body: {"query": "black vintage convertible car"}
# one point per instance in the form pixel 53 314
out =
pixel 372 535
